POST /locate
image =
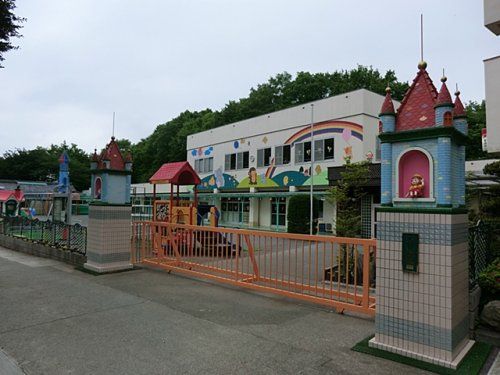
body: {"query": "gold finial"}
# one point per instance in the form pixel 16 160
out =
pixel 422 64
pixel 388 89
pixel 457 92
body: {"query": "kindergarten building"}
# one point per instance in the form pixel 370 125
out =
pixel 250 169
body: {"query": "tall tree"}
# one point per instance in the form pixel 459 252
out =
pixel 9 27
pixel 168 141
pixel 476 118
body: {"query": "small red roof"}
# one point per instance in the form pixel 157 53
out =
pixel 178 173
pixel 387 106
pixel 417 107
pixel 444 96
pixel 458 110
pixel 5 195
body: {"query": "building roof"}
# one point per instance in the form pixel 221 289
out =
pixel 388 105
pixel 373 178
pixel 417 107
pixel 444 96
pixel 178 173
pixel 17 194
pixel 458 110
pixel 112 154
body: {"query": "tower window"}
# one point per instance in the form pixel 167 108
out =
pixel 447 119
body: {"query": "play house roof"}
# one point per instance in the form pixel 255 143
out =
pixel 178 173
pixel 17 195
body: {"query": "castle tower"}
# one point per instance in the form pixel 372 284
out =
pixel 108 233
pixel 422 249
pixel 63 182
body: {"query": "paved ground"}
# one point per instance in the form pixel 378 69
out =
pixel 56 320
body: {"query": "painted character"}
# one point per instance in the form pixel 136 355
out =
pixel 219 177
pixel 416 189
pixel 252 176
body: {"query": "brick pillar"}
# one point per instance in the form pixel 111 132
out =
pixel 423 310
pixel 108 238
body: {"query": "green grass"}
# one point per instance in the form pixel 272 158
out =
pixel 470 365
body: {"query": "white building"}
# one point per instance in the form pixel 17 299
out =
pixel 492 79
pixel 249 169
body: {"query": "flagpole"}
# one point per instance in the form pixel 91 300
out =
pixel 311 187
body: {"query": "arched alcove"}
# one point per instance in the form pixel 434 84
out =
pixel 97 188
pixel 412 162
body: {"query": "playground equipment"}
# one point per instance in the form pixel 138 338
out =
pixel 177 210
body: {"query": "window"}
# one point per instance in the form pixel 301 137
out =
pixel 323 150
pixel 447 119
pixel 235 210
pixel 302 152
pixel 263 157
pixel 278 211
pixel 236 161
pixel 328 149
pixel 282 155
pixel 205 165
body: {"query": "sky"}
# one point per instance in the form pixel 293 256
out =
pixel 81 60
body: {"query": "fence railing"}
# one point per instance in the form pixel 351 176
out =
pixel 60 235
pixel 479 250
pixel 334 271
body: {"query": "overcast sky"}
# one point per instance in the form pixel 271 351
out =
pixel 80 60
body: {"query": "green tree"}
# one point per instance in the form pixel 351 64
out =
pixel 476 119
pixel 42 164
pixel 347 195
pixel 168 141
pixel 9 27
pixel 299 214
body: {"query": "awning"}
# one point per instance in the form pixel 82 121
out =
pixel 261 194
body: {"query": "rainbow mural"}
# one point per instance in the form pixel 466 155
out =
pixel 327 127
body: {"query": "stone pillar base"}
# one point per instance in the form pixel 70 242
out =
pixel 431 357
pixel 108 238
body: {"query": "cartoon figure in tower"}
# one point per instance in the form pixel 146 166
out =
pixel 416 189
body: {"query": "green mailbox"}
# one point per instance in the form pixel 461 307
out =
pixel 410 252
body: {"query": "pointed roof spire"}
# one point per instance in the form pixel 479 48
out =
pixel 416 110
pixel 459 110
pixel 95 157
pixel 387 106
pixel 444 97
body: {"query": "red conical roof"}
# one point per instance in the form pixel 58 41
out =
pixel 444 96
pixel 417 107
pixel 459 110
pixel 387 106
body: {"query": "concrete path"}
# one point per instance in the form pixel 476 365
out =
pixel 56 320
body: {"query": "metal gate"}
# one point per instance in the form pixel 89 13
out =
pixel 333 271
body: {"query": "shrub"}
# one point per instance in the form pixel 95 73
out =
pixel 489 281
pixel 299 214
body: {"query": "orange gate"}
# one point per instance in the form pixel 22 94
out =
pixel 333 271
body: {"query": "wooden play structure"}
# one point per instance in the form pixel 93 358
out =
pixel 175 210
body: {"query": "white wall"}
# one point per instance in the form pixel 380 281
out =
pixel 360 107
pixel 492 88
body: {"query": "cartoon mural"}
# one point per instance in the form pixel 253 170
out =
pixel 260 178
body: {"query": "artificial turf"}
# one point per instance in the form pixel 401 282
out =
pixel 470 365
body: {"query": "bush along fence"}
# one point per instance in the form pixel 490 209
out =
pixel 59 235
pixel 479 250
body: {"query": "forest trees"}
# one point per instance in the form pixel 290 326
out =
pixel 9 27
